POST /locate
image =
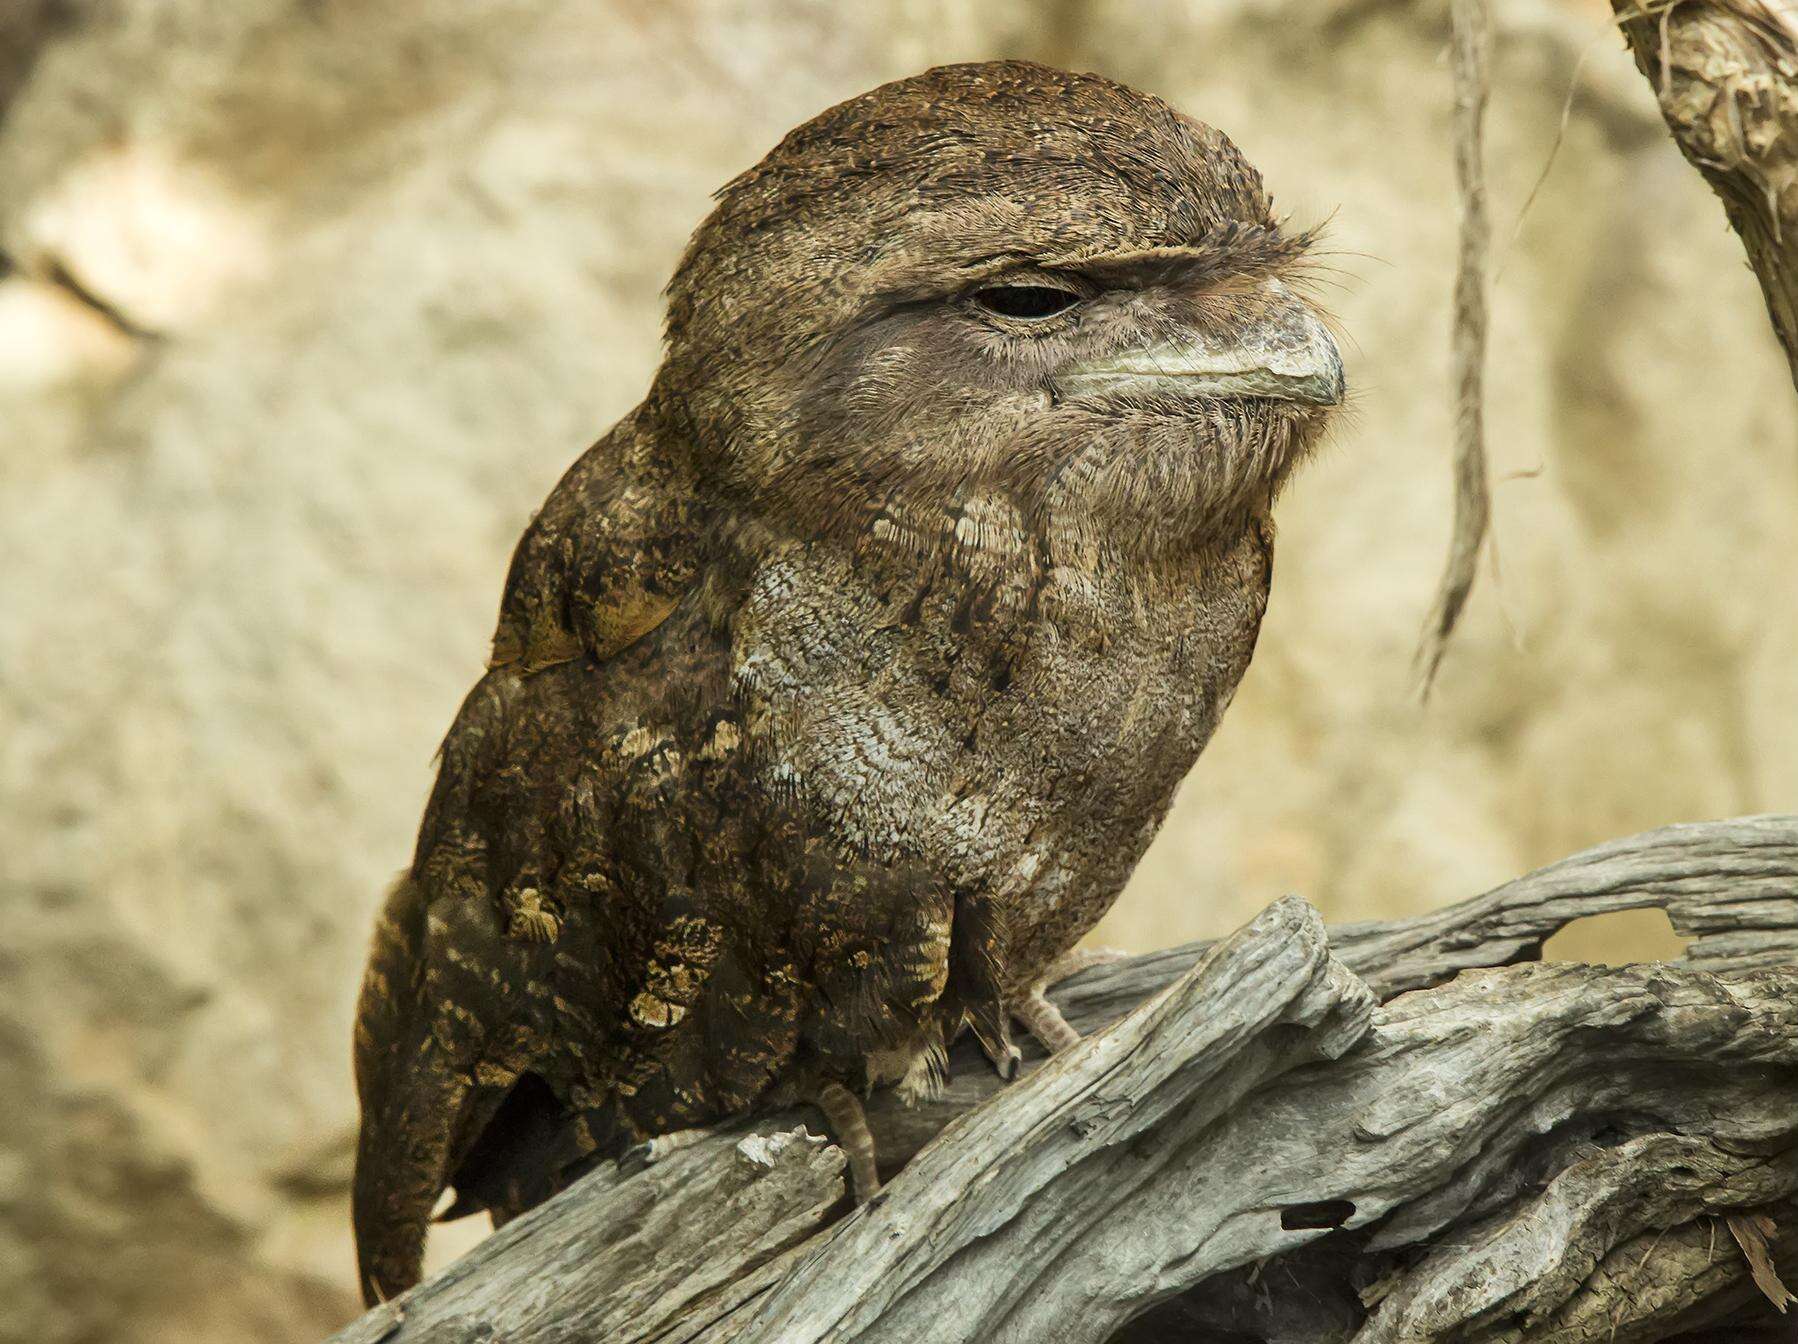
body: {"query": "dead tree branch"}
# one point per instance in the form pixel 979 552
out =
pixel 1254 1149
pixel 1726 75
pixel 1471 50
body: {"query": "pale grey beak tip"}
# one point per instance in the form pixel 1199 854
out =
pixel 1288 356
pixel 1326 387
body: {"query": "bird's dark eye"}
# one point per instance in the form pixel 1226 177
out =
pixel 1027 301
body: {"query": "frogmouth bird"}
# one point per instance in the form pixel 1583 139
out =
pixel 837 689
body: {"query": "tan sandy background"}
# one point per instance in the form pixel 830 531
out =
pixel 361 278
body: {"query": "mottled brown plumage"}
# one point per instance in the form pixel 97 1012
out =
pixel 838 689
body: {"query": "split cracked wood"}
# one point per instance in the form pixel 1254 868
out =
pixel 1529 1152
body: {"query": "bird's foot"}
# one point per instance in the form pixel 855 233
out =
pixel 1006 1059
pixel 639 1156
pixel 849 1126
pixel 1041 1018
pixel 993 1031
pixel 1044 1021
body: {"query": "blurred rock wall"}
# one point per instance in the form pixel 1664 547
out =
pixel 308 302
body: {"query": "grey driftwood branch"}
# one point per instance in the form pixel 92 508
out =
pixel 1385 1132
pixel 1726 75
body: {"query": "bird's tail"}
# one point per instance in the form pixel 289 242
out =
pixel 412 1104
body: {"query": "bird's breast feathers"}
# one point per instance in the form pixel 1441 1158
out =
pixel 987 706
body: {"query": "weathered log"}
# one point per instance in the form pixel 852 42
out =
pixel 1528 1152
pixel 1726 75
pixel 1117 1123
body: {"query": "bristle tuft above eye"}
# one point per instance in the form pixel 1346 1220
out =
pixel 1029 302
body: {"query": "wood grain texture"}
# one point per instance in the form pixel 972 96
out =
pixel 1117 1125
pixel 1726 75
pixel 1257 1148
pixel 629 1256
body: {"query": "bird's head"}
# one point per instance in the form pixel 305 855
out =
pixel 1006 278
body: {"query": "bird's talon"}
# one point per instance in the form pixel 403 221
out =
pixel 992 1031
pixel 651 1151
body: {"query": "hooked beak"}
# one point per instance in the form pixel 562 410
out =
pixel 1285 354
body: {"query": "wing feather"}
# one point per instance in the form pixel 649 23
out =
pixel 608 557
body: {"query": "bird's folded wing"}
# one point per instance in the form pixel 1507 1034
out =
pixel 607 558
